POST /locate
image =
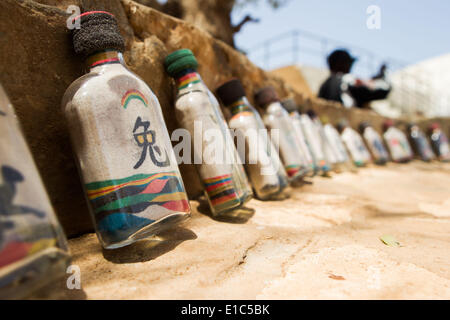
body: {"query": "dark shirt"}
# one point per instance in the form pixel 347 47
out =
pixel 331 88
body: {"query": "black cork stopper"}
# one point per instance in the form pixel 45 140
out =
pixel 266 96
pixel 343 123
pixel 230 92
pixel 289 104
pixel 363 126
pixel 387 124
pixel 311 113
pixel 99 31
pixel 411 125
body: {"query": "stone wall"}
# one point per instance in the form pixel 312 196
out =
pixel 37 64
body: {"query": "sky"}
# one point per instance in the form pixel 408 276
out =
pixel 410 31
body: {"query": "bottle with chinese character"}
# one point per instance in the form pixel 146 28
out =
pixel 354 143
pixel 439 142
pixel 374 143
pixel 121 143
pixel 33 248
pixel 291 107
pixel 419 143
pixel 282 133
pixel 262 162
pixel 215 156
pixel 397 143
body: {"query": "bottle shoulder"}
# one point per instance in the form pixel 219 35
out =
pixel 98 86
pixel 247 120
pixel 194 99
pixel 79 84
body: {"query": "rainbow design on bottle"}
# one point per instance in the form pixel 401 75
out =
pixel 119 204
pixel 17 250
pixel 188 79
pixel 293 170
pixel 221 192
pixel 131 95
pixel 241 108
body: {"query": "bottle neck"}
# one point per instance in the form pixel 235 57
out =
pixel 274 106
pixel 187 79
pixel 103 58
pixel 240 106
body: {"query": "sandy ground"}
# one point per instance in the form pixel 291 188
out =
pixel 322 243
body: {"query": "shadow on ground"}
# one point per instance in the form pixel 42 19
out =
pixel 150 249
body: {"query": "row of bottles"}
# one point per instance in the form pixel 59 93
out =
pixel 129 169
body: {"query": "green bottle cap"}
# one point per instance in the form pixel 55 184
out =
pixel 180 60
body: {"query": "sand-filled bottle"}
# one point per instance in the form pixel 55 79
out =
pixel 355 144
pixel 439 142
pixel 215 156
pixel 292 108
pixel 264 167
pixel 419 143
pixel 329 152
pixel 277 119
pixel 33 248
pixel 374 143
pixel 315 144
pixel 121 143
pixel 397 143
pixel 338 146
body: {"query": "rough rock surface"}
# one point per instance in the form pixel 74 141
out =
pixel 322 243
pixel 37 64
pixel 294 77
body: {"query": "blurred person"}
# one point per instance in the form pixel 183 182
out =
pixel 343 87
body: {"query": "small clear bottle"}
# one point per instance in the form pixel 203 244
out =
pixel 121 143
pixel 264 167
pixel 420 143
pixel 374 143
pixel 439 142
pixel 314 141
pixel 33 248
pixel 277 118
pixel 329 152
pixel 333 136
pixel 355 144
pixel 198 111
pixel 397 143
pixel 291 107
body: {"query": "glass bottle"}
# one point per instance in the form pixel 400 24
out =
pixel 439 142
pixel 198 111
pixel 355 144
pixel 329 152
pixel 338 146
pixel 277 118
pixel 397 143
pixel 262 162
pixel 374 143
pixel 121 143
pixel 316 143
pixel 291 107
pixel 33 248
pixel 420 143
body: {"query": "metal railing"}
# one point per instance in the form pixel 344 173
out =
pixel 412 91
